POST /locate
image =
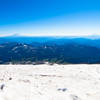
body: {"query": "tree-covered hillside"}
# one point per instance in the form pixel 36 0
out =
pixel 36 53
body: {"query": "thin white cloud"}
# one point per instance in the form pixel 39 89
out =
pixel 6 35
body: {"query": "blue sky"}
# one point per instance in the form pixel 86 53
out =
pixel 49 17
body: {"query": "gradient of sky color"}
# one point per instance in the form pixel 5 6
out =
pixel 49 17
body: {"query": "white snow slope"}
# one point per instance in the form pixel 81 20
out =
pixel 45 82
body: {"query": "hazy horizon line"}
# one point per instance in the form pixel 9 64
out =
pixel 44 35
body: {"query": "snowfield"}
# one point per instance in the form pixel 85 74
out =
pixel 46 82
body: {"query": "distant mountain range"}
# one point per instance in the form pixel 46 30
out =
pixel 93 40
pixel 61 50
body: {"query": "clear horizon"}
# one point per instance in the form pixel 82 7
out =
pixel 49 17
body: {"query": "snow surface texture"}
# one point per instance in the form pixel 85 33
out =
pixel 45 82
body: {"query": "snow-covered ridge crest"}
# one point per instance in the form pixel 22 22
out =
pixel 46 82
